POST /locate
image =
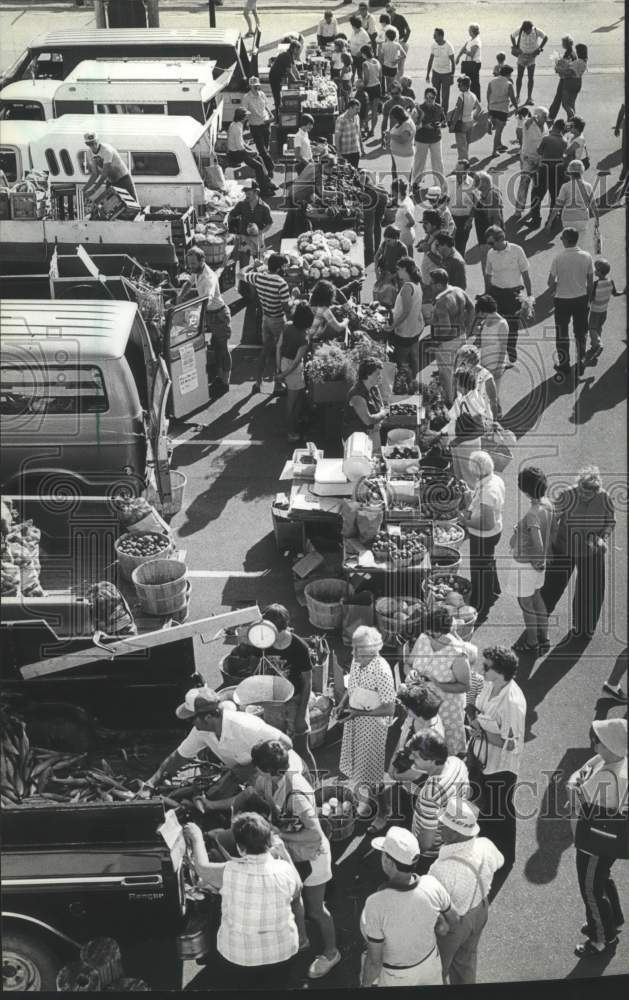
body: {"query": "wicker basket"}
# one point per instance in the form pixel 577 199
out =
pixel 451 524
pixel 464 586
pixel 444 559
pixel 264 689
pixel 161 586
pixel 127 563
pixel 392 628
pixel 336 827
pixel 215 253
pixel 326 614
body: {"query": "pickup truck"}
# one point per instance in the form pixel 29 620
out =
pixel 75 871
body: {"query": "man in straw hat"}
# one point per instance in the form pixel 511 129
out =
pixel 399 922
pixel 105 163
pixel 465 868
pixel 230 735
pixel 598 798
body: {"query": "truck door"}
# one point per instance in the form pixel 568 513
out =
pixel 203 148
pixel 186 358
pixel 157 431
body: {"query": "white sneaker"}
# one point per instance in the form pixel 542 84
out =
pixel 322 965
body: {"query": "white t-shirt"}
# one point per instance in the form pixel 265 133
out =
pixel 404 920
pixel 357 40
pixel 532 135
pixel 504 716
pixel 505 268
pixel 207 287
pixel 302 143
pixel 110 157
pixel 490 492
pixel 574 200
pixel 528 42
pixel 240 733
pixel 441 57
pixel 571 267
pixel 477 51
pixel 460 195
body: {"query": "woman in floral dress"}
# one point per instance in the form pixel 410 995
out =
pixel 365 733
pixel 442 661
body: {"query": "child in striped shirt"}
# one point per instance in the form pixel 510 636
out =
pixel 602 292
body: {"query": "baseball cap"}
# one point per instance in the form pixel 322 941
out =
pixel 612 733
pixel 197 701
pixel 433 192
pixel 399 844
pixel 460 817
pixel 89 137
pixel 254 79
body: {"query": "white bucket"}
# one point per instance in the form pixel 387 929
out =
pixel 403 437
pixel 357 456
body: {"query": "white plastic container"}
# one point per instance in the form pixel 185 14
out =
pixel 403 437
pixel 357 456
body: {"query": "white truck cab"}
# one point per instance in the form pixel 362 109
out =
pixel 28 100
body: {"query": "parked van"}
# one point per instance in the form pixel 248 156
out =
pixel 83 397
pixel 166 156
pixel 55 55
pixel 112 86
pixel 15 147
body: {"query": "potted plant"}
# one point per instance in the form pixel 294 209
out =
pixel 327 374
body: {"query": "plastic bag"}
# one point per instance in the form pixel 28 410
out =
pixel 349 511
pixel 369 521
pixel 110 612
pixel 213 177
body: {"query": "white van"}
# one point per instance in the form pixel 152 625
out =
pixel 191 87
pixel 166 155
pixel 15 147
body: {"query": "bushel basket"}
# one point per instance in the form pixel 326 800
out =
pixel 264 689
pixel 336 827
pixel 323 600
pixel 161 586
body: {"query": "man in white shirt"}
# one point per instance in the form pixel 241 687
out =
pixel 441 63
pixel 398 921
pixel 506 273
pixel 301 142
pixel 368 21
pixel 529 42
pixel 256 105
pixel 571 280
pixel 204 284
pixel 533 131
pixel 230 735
pixel 327 29
pixel 104 162
pixel 465 868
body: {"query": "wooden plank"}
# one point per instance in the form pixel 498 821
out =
pixel 135 643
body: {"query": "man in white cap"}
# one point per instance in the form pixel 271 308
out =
pixel 465 868
pixel 598 797
pixel 398 921
pixel 260 117
pixel 229 734
pixel 105 163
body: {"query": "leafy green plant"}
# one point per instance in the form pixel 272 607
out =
pixel 364 347
pixel 327 364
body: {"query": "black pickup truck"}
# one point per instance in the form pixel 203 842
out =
pixel 72 872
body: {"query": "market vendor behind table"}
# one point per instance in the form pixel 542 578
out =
pixel 105 163
pixel 229 734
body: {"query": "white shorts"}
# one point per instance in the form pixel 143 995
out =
pixel 321 866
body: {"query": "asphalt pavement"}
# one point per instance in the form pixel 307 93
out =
pixel 233 452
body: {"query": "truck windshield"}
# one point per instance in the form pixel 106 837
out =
pixel 8 164
pixel 53 390
pixel 23 111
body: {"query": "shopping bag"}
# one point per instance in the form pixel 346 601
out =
pixel 213 176
pixel 357 610
pixel 498 443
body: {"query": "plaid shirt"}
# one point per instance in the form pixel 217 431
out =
pixel 347 134
pixel 257 922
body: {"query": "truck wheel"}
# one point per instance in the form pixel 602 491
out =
pixel 28 963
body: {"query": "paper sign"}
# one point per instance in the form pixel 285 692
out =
pixel 187 358
pixel 188 382
pixel 171 831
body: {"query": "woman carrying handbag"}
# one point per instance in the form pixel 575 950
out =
pixel 462 120
pixel 598 799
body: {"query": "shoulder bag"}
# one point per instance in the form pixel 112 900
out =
pixel 455 121
pixel 476 761
pixel 515 47
pixel 498 444
pixel 303 843
pixel 468 425
pixel 602 832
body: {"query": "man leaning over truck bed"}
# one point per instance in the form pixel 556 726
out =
pixel 103 161
pixel 229 734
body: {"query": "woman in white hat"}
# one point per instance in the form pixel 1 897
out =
pixel 598 797
pixel 370 683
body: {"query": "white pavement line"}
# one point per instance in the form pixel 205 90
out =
pixel 226 442
pixel 225 574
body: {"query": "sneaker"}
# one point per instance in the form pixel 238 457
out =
pixel 322 965
pixel 615 691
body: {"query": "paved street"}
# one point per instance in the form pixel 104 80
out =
pixel 233 452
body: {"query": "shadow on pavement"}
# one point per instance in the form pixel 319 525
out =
pixel 526 413
pixel 603 393
pixel 553 832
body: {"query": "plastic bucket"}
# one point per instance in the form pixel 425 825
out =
pixel 161 586
pixel 127 563
pixel 403 437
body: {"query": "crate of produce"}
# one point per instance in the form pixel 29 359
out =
pixel 214 248
pixel 404 511
pixel 448 533
pixel 23 205
pixel 441 495
pixel 400 618
pixel 448 588
pixel 403 413
pixel 401 458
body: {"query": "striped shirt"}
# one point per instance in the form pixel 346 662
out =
pixel 272 290
pixel 433 798
pixel 602 293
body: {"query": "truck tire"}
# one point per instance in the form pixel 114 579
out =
pixel 29 962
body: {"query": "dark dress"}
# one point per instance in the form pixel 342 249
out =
pixel 351 422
